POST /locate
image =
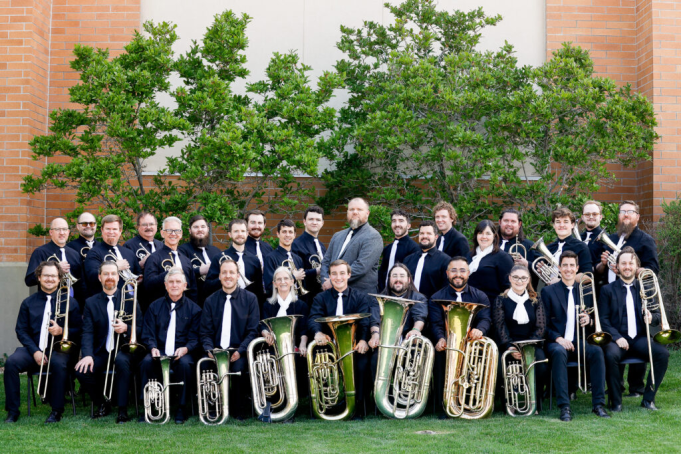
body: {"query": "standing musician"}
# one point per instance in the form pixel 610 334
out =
pixel 399 249
pixel 286 232
pixel 87 227
pixel 230 320
pixel 144 243
pixel 457 290
pixel 451 241
pixel 560 301
pixel 360 246
pixel 171 328
pixel 99 344
pixel 592 215
pixel 307 245
pixel 35 325
pixel 341 300
pixel 511 231
pixel 165 258
pixel 621 315
pixel 428 266
pixel 563 221
pixel 255 220
pixel 200 253
pixel 489 266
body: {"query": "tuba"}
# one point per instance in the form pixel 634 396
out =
pixel 471 366
pixel 316 263
pixel 605 239
pixel 157 394
pixel 331 370
pixel 403 372
pixel 519 381
pixel 549 271
pixel 213 388
pixel 298 282
pixel 273 375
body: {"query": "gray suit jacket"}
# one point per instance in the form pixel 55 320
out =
pixel 362 253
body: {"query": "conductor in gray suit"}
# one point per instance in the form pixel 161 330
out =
pixel 360 245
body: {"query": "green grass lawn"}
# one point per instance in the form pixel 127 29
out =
pixel 633 430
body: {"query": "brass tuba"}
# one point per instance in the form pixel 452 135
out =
pixel 298 284
pixel 471 366
pixel 157 394
pixel 519 381
pixel 549 271
pixel 605 239
pixel 273 375
pixel 213 388
pixel 403 372
pixel 331 370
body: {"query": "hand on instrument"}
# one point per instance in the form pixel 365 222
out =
pixel 362 347
pixel 515 353
pixel 566 344
pixel 268 337
pixel 144 260
pixel 327 284
pixel 210 354
pixel 412 333
pixel 622 343
pixel 475 334
pixel 155 352
pixel 441 345
pixel 303 346
pixel 234 357
pixel 321 338
pixel 39 358
pixel 55 329
pixel 65 266
pixel 123 264
pixel 299 274
pixel 604 258
pixel 375 340
pixel 584 319
pixel 119 326
pixel 648 317
pixel 85 365
pixel 203 269
pixel 180 352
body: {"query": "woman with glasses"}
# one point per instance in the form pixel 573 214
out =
pixel 489 265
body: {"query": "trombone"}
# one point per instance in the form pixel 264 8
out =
pixel 549 266
pixel 290 264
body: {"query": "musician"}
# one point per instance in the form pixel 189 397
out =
pixel 560 301
pixel 457 289
pixel 489 266
pixel 360 246
pixel 592 215
pixel 87 227
pixel 200 253
pixel 341 299
pixel 166 257
pixel 34 328
pixel 563 221
pixel 451 241
pixel 230 320
pixel 401 247
pixel 255 220
pixel 112 226
pixel 144 243
pixel 171 328
pixel 308 245
pixel 99 343
pixel 429 265
pixel 286 232
pixel 511 231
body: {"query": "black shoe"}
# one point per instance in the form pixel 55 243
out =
pixel 616 408
pixel 600 412
pixel 103 410
pixel 573 397
pixel 566 414
pixel 55 416
pixel 649 405
pixel 122 416
pixel 12 417
pixel 634 394
pixel 179 416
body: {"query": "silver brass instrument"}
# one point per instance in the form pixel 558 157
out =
pixel 605 239
pixel 575 230
pixel 142 252
pixel 549 269
pixel 519 381
pixel 404 368
pixel 242 272
pixel 157 394
pixel 198 265
pixel 298 284
pixel 126 275
pixel 273 373
pixel 316 263
pixel 517 250
pixel 68 275
pixel 84 250
pixel 213 388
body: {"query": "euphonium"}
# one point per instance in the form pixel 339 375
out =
pixel 517 250
pixel 331 371
pixel 605 239
pixel 243 280
pixel 403 372
pixel 298 282
pixel 213 388
pixel 200 263
pixel 273 375
pixel 519 381
pixel 157 394
pixel 549 271
pixel 471 366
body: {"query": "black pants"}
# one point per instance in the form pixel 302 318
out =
pixel 184 370
pixel 93 381
pixel 361 365
pixel 22 361
pixel 594 358
pixel 638 348
pixel 635 377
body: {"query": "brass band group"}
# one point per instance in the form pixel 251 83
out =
pixel 255 330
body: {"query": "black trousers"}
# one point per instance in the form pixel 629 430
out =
pixel 596 365
pixel 22 361
pixel 638 348
pixel 93 381
pixel 361 376
pixel 184 370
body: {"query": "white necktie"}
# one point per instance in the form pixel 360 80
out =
pixel 319 249
pixel 46 324
pixel 458 297
pixel 570 325
pixel 206 260
pixel 611 275
pixel 153 248
pixel 63 254
pixel 117 252
pixel 588 236
pixel 109 334
pixel 339 305
pixel 559 251
pixel 503 245
pixel 631 313
pixel 178 263
pixel 284 304
pixel 419 271
pixel 288 253
pixel 242 269
pixel 441 247
pixel 90 244
pixel 345 243
pixel 391 261
pixel 170 337
pixel 226 324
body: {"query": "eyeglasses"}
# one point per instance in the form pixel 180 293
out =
pixel 520 278
pixel 88 224
pixel 279 280
pixel 590 215
pixel 629 212
pixel 173 231
pixel 147 225
pixel 60 230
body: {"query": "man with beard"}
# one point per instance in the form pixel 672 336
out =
pixel 402 247
pixel 286 232
pixel 87 227
pixel 511 230
pixel 255 221
pixel 360 246
pixel 428 266
pixel 451 241
pixel 563 221
pixel 456 290
pixel 200 253
pixel 144 244
pixel 308 245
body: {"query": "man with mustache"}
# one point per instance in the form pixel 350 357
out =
pixel 87 227
pixel 144 243
pixel 428 265
pixel 402 246
pixel 255 220
pixel 200 253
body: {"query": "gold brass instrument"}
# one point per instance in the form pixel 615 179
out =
pixel 68 275
pixel 126 275
pixel 273 374
pixel 84 250
pixel 168 263
pixel 519 381
pixel 331 370
pixel 517 250
pixel 157 394
pixel 141 253
pixel 198 265
pixel 298 284
pixel 605 239
pixel 243 280
pixel 471 366
pixel 316 263
pixel 549 271
pixel 403 371
pixel 213 388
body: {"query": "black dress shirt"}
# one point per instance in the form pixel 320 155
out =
pixel 245 320
pixel 95 258
pixel 96 323
pixel 265 248
pixel 155 274
pixel 251 268
pixel 354 302
pixel 405 247
pixel 137 242
pixel 555 299
pixel 79 243
pixel 434 273
pixel 187 323
pixel 72 257
pixel 579 248
pixel 192 252
pixel 436 315
pixel 417 312
pixel 492 274
pixel 274 261
pixel 613 310
pixel 296 308
pixel 305 247
pixel 509 330
pixel 455 244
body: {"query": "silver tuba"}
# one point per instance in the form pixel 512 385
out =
pixel 213 388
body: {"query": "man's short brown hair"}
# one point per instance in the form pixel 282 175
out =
pixel 111 218
pixel 340 262
pixel 562 212
pixel 442 205
pixel 630 202
pixel 593 202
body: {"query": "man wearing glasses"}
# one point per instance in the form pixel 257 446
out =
pixel 144 243
pixel 87 227
pixel 592 215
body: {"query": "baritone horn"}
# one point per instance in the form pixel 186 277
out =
pixel 519 382
pixel 549 267
pixel 404 368
pixel 298 284
pixel 605 239
pixel 157 394
pixel 331 370
pixel 213 388
pixel 273 373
